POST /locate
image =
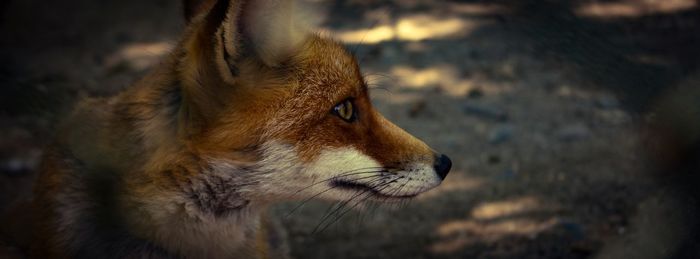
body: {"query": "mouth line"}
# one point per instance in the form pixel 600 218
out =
pixel 363 187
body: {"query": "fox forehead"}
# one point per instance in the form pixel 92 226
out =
pixel 324 74
pixel 326 64
pixel 321 73
pixel 278 101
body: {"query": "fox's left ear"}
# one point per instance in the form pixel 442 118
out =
pixel 270 31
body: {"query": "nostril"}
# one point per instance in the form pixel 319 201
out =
pixel 442 165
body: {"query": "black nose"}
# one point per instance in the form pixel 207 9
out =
pixel 442 166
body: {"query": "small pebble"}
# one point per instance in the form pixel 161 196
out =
pixel 607 103
pixel 475 93
pixel 501 134
pixel 417 108
pixel 573 132
pixel 574 229
pixel 485 111
pixel 584 247
pixel 507 174
pixel 494 159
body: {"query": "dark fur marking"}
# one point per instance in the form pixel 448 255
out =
pixel 230 61
pixel 212 194
pixel 223 196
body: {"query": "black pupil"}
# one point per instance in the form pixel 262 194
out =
pixel 345 110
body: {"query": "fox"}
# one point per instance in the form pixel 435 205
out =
pixel 249 109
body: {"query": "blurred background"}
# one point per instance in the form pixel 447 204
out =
pixel 573 125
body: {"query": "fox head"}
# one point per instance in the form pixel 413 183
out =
pixel 276 112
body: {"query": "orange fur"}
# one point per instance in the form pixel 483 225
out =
pixel 183 163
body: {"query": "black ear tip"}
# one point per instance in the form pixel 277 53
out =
pixel 442 165
pixel 193 8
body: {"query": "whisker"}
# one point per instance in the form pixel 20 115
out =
pixel 335 178
pixel 398 190
pixel 360 171
pixel 357 46
pixel 339 213
pixel 322 192
pixel 344 203
pixel 374 206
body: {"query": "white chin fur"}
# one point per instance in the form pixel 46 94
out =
pixel 290 178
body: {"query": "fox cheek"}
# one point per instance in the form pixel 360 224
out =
pixel 345 160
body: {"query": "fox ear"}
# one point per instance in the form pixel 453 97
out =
pixel 228 31
pixel 275 28
pixel 271 30
pixel 202 65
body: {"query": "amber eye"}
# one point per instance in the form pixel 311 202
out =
pixel 345 110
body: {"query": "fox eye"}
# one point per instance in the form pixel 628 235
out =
pixel 345 110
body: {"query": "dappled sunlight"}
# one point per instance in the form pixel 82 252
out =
pixel 493 221
pixel 421 27
pixel 369 36
pixel 141 55
pixel 571 91
pixel 461 233
pixel 446 77
pixel 648 59
pixel 456 182
pixel 477 8
pixel 633 8
pixel 499 209
pixel 411 28
pixel 420 78
pixel 549 109
pixel 395 97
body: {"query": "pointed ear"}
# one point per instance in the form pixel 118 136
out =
pixel 203 65
pixel 276 28
pixel 271 30
pixel 229 31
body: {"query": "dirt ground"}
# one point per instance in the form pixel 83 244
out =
pixel 540 105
